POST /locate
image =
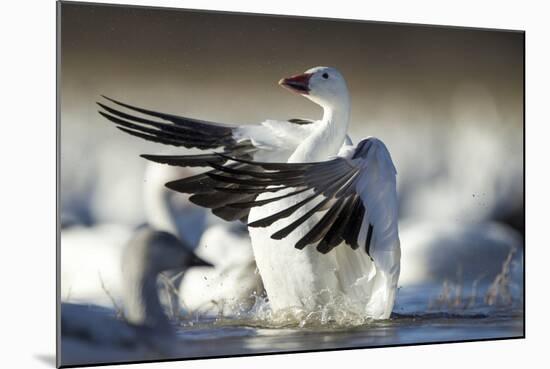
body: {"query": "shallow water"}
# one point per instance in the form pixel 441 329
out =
pixel 425 314
pixel 418 318
pixel 234 340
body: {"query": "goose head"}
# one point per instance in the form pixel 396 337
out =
pixel 155 251
pixel 324 86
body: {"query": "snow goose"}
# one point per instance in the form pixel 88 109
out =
pixel 90 332
pixel 321 212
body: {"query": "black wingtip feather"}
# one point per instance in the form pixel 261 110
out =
pixel 369 239
pixel 231 214
pixel 190 185
pixel 201 160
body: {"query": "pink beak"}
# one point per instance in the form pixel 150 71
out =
pixel 299 83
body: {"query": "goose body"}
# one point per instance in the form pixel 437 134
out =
pixel 321 212
pixel 306 280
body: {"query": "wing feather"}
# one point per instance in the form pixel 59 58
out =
pixel 273 140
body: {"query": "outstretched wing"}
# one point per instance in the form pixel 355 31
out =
pixel 271 140
pixel 240 141
pixel 356 191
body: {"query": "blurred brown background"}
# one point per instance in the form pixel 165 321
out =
pixel 448 102
pixel 201 63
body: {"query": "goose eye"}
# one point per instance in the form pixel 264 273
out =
pixel 325 75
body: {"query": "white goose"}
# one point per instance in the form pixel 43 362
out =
pixel 322 213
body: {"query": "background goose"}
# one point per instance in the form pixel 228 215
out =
pixel 233 285
pixel 230 287
pixel 356 191
pixel 458 252
pixel 146 333
pixel 91 256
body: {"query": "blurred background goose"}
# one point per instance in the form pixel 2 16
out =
pixel 228 288
pixel 146 331
pixel 459 252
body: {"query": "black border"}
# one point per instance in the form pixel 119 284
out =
pixel 58 71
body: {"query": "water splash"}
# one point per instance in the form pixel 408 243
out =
pixel 338 312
